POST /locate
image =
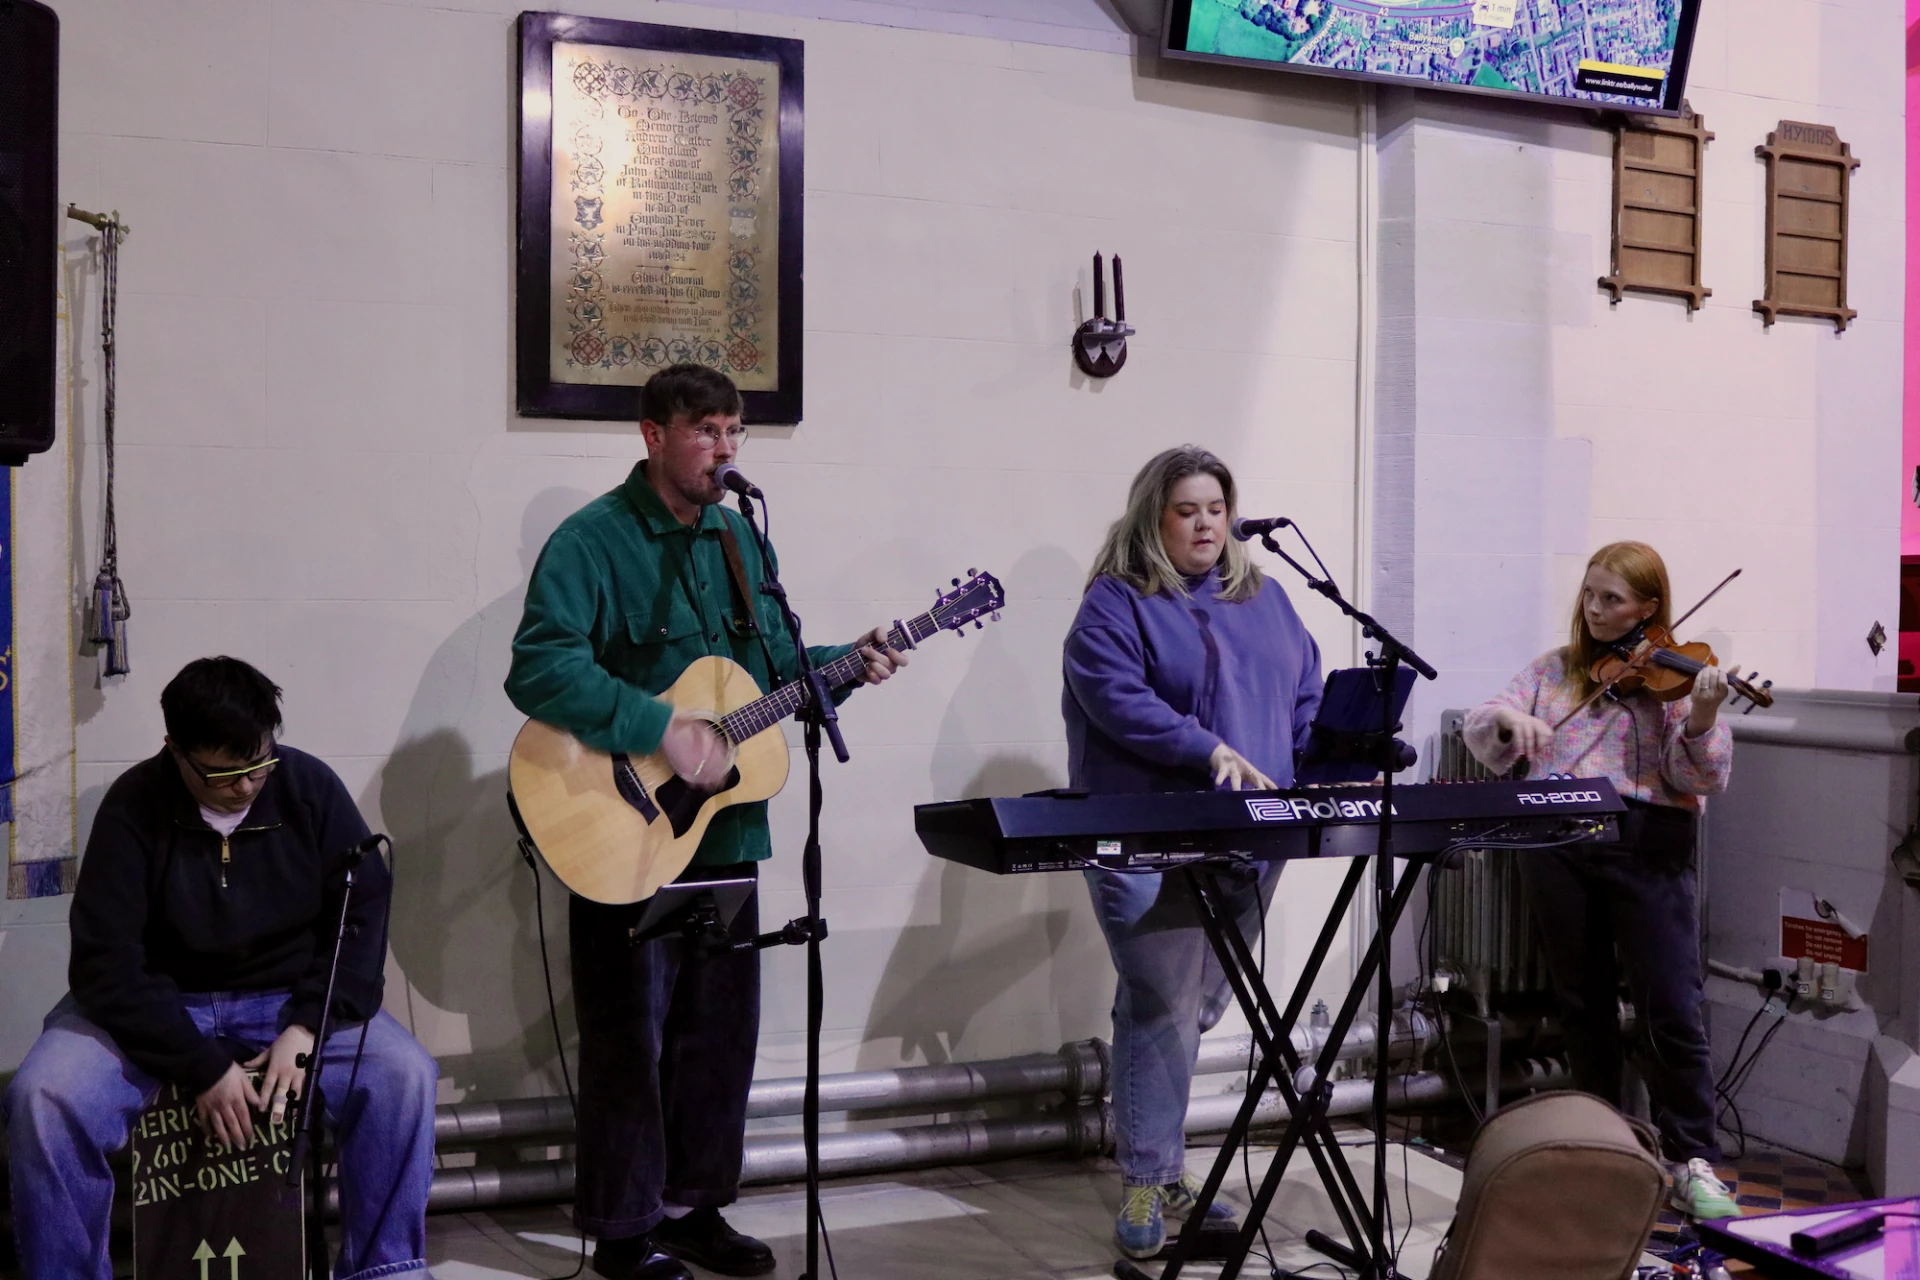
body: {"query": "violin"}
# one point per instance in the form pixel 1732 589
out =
pixel 1648 658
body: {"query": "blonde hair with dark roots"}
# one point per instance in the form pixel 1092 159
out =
pixel 1133 551
pixel 1645 574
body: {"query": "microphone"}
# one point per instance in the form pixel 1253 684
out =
pixel 358 852
pixel 729 476
pixel 1246 530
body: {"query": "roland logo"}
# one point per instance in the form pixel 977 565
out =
pixel 1559 797
pixel 1302 809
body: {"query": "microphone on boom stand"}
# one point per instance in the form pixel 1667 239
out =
pixel 1245 530
pixel 728 476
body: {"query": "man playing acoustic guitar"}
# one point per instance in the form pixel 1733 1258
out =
pixel 628 591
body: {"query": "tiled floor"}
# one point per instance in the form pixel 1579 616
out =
pixel 1051 1220
pixel 1015 1220
pixel 1764 1181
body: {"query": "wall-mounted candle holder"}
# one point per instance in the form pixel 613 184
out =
pixel 1100 345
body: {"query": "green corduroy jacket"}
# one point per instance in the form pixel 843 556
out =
pixel 622 599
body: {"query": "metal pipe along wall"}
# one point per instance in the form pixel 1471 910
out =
pixel 1081 1128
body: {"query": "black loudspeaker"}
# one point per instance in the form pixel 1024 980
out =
pixel 29 225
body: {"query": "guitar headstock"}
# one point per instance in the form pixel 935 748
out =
pixel 980 594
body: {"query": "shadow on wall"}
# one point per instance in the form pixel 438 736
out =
pixel 993 937
pixel 464 927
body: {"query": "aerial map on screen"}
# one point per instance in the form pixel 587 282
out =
pixel 1614 52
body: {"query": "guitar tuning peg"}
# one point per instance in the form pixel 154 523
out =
pixel 978 625
pixel 995 615
pixel 956 582
pixel 971 572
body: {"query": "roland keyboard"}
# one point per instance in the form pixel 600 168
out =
pixel 1067 830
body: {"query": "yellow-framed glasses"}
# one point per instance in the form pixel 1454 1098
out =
pixel 222 778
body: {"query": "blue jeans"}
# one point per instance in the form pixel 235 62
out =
pixel 76 1095
pixel 1170 990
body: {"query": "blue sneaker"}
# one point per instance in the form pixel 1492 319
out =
pixel 1139 1230
pixel 1180 1198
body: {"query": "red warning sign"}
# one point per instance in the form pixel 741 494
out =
pixel 1824 942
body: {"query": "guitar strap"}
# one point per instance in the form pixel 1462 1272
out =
pixel 744 613
pixel 737 571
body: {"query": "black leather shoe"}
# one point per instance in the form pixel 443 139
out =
pixel 637 1258
pixel 704 1237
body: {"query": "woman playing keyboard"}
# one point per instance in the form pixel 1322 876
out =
pixel 1185 669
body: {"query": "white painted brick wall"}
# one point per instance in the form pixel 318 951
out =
pixel 321 470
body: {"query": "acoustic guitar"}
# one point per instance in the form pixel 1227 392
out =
pixel 614 828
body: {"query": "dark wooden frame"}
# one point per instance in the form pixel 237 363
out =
pixel 539 396
pixel 1658 206
pixel 1809 172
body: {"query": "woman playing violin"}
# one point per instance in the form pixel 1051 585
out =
pixel 1629 909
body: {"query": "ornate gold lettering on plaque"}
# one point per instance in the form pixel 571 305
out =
pixel 665 215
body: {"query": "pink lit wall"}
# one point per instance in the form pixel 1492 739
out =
pixel 1909 512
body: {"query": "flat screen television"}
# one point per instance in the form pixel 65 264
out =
pixel 1619 54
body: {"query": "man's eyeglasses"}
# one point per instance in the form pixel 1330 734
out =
pixel 709 435
pixel 223 778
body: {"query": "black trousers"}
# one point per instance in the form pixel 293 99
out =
pixel 1631 911
pixel 667 1040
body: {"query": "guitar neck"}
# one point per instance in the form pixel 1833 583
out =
pixel 763 713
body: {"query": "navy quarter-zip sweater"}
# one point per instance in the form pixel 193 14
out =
pixel 166 905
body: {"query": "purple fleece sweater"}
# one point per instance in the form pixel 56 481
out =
pixel 1155 683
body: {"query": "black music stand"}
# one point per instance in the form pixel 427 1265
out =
pixel 1346 743
pixel 700 910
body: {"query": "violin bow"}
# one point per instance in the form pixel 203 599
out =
pixel 1596 694
pixel 1590 700
pixel 1703 599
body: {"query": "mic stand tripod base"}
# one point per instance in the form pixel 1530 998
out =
pixel 1322 1243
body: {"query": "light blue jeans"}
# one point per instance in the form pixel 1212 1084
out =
pixel 1171 989
pixel 76 1095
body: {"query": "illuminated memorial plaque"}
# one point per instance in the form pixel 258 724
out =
pixel 659 214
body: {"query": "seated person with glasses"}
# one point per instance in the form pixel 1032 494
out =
pixel 202 929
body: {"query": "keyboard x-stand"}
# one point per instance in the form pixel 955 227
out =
pixel 1367 1251
pixel 1186 835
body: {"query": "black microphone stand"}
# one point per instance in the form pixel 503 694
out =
pixel 1386 665
pixel 818 715
pixel 306 1151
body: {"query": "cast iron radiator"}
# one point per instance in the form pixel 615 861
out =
pixel 1483 933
